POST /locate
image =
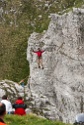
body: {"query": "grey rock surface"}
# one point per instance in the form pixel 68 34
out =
pixel 12 89
pixel 58 90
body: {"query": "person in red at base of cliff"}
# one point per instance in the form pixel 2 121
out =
pixel 39 57
pixel 19 107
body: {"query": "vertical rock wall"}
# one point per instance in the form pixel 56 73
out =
pixel 58 89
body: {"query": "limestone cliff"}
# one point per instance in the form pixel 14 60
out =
pixel 58 89
pixel 12 89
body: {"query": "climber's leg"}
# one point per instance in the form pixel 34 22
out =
pixel 38 62
pixel 41 63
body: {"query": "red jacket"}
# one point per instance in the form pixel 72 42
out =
pixel 39 53
pixel 19 111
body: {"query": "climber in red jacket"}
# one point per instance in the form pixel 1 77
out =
pixel 19 107
pixel 39 57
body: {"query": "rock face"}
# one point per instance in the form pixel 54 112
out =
pixel 12 89
pixel 58 89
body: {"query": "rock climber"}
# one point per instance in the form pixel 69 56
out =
pixel 22 83
pixel 39 57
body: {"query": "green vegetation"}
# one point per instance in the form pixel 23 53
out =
pixel 29 120
pixel 19 19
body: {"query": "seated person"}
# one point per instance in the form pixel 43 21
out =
pixel 2 113
pixel 19 106
pixel 8 104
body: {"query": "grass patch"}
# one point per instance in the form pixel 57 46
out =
pixel 29 120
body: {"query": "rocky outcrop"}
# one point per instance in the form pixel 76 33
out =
pixel 12 89
pixel 57 90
